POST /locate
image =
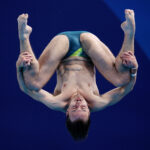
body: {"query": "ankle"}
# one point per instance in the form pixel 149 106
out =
pixel 129 34
pixel 23 38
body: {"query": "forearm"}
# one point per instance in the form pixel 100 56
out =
pixel 20 78
pixel 115 95
pixel 31 76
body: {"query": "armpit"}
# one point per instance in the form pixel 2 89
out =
pixel 56 92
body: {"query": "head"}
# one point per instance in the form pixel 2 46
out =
pixel 78 117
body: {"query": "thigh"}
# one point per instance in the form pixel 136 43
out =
pixel 51 57
pixel 102 57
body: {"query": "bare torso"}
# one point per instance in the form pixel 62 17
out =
pixel 76 73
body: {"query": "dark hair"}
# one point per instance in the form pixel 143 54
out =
pixel 78 129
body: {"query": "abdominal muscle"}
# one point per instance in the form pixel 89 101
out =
pixel 76 76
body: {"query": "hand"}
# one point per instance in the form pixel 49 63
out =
pixel 24 60
pixel 129 60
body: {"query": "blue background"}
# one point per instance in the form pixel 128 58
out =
pixel 28 125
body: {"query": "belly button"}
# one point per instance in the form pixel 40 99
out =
pixel 89 85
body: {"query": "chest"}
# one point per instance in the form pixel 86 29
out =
pixel 76 77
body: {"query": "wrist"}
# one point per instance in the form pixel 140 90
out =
pixel 133 72
pixel 134 75
pixel 23 37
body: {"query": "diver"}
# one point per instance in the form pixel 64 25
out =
pixel 74 56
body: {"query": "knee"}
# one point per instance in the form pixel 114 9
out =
pixel 89 41
pixel 87 36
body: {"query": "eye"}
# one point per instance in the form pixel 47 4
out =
pixel 74 107
pixel 83 106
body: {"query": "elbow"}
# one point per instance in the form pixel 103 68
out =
pixel 121 82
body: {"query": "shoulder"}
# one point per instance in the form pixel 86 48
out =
pixel 59 106
pixel 99 104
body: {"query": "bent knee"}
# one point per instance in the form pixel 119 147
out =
pixel 89 41
pixel 87 36
pixel 57 48
pixel 61 38
pixel 61 42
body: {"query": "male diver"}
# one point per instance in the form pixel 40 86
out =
pixel 74 55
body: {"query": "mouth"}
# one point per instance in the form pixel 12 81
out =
pixel 78 99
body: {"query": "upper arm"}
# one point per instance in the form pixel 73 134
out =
pixel 46 98
pixel 99 103
pixel 109 98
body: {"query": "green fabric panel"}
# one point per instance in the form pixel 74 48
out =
pixel 78 52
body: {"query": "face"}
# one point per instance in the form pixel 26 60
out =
pixel 78 108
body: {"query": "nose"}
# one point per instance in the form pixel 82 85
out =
pixel 78 102
pixel 78 99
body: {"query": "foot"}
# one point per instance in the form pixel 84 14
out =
pixel 23 29
pixel 128 26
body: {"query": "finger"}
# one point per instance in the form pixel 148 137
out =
pixel 27 63
pixel 126 57
pixel 125 54
pixel 26 60
pixel 124 62
pixel 28 57
pixel 131 53
pixel 26 53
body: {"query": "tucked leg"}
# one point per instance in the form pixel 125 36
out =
pixel 128 26
pixel 110 67
pixel 39 72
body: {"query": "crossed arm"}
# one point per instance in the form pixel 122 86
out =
pixel 53 102
pixel 113 96
pixel 99 102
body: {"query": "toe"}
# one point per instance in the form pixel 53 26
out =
pixel 26 16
